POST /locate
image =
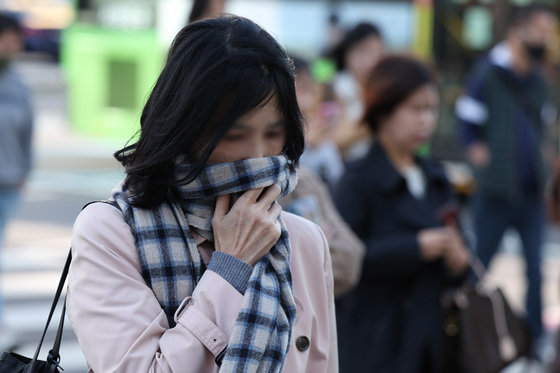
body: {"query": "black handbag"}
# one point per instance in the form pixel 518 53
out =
pixel 10 362
pixel 482 333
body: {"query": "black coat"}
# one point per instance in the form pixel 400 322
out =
pixel 392 322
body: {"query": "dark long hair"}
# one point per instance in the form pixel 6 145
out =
pixel 355 35
pixel 216 71
pixel 392 81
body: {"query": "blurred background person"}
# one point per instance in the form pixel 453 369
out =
pixel 355 55
pixel 392 321
pixel 322 114
pixel 335 32
pixel 202 9
pixel 311 197
pixel 16 122
pixel 312 200
pixel 502 119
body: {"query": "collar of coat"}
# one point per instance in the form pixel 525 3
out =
pixel 387 178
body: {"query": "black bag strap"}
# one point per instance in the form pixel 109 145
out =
pixel 54 353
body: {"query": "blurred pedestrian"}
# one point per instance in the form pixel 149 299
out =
pixel 502 115
pixel 321 115
pixel 311 198
pixel 202 9
pixel 192 266
pixel 16 125
pixel 335 32
pixel 399 205
pixel 16 119
pixel 355 56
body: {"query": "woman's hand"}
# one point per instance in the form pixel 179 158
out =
pixel 478 154
pixel 433 243
pixel 250 228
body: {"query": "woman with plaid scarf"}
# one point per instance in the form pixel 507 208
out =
pixel 192 266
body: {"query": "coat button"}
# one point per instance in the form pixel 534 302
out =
pixel 302 343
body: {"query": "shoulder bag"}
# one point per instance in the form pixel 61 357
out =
pixel 482 333
pixel 10 362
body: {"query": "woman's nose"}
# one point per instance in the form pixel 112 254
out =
pixel 257 150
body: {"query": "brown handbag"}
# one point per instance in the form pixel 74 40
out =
pixel 482 332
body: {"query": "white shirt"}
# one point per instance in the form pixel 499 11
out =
pixel 415 181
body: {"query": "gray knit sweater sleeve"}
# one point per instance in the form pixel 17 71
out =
pixel 233 270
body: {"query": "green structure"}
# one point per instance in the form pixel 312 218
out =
pixel 111 59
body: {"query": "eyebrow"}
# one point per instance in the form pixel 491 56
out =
pixel 243 126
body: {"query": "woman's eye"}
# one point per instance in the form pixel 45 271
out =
pixel 233 137
pixel 275 134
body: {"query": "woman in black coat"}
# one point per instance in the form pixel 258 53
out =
pixel 401 206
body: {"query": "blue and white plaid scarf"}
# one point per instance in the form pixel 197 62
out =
pixel 172 266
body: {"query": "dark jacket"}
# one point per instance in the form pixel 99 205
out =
pixel 513 128
pixel 392 321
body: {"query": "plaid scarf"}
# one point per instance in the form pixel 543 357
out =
pixel 172 266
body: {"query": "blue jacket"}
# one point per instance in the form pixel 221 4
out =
pixel 392 321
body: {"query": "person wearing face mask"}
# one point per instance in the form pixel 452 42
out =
pixel 502 115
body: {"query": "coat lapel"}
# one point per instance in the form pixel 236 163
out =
pixel 412 212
